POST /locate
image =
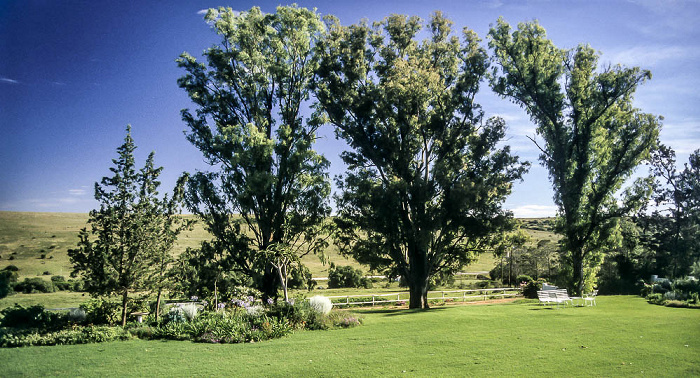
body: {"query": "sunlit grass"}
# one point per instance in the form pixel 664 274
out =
pixel 622 336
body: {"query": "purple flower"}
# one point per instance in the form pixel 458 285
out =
pixel 250 299
pixel 194 298
pixel 221 305
pixel 270 301
pixel 205 303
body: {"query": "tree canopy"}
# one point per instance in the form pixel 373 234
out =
pixel 425 179
pixel 267 187
pixel 593 137
pixel 671 230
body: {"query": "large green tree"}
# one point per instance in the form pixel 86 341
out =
pixel 268 188
pixel 593 136
pixel 131 232
pixel 425 179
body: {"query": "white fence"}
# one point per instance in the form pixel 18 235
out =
pixel 452 295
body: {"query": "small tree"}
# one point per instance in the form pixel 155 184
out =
pixel 426 179
pixel 130 231
pixel 593 137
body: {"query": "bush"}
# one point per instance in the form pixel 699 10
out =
pixel 76 315
pixel 37 317
pixel 523 278
pixel 531 288
pixel 321 304
pixel 101 311
pixel 175 315
pixel 35 285
pixel 300 278
pixel 60 283
pixel 80 335
pixel 656 298
pixel 11 268
pixel 189 311
pixel 8 279
pixel 347 276
pixel 686 286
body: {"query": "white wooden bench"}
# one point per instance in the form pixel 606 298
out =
pixel 558 296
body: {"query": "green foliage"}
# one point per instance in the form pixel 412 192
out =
pixel 8 278
pixel 34 285
pixel 101 311
pixel 426 180
pixel 670 231
pixel 175 315
pixel 27 317
pixel 347 276
pixel 678 293
pixel 80 335
pixel 593 137
pixel 531 287
pixel 249 126
pixel 523 278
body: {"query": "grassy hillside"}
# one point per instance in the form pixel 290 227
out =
pixel 37 243
pixel 622 336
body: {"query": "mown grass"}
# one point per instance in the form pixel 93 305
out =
pixel 59 299
pixel 622 336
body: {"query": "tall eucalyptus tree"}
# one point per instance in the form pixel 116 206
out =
pixel 267 187
pixel 593 137
pixel 426 180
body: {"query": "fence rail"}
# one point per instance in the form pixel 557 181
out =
pixel 454 295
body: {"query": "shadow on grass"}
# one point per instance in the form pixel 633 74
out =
pixel 400 311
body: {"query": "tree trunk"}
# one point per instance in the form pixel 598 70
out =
pixel 418 289
pixel 216 294
pixel 270 282
pixel 160 292
pixel 578 277
pixel 283 279
pixel 125 300
pixel 417 279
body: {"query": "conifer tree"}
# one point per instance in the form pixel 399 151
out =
pixel 130 233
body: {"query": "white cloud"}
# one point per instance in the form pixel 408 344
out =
pixel 534 211
pixel 650 56
pixel 8 80
pixel 202 12
pixel 682 135
pixel 77 192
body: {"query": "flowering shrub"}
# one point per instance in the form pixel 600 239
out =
pixel 321 304
pixel 189 311
pixel 240 320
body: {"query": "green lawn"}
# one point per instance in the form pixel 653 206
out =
pixel 622 336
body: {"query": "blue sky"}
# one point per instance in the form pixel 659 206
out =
pixel 74 73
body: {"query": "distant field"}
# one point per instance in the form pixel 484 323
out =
pixel 622 336
pixel 37 243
